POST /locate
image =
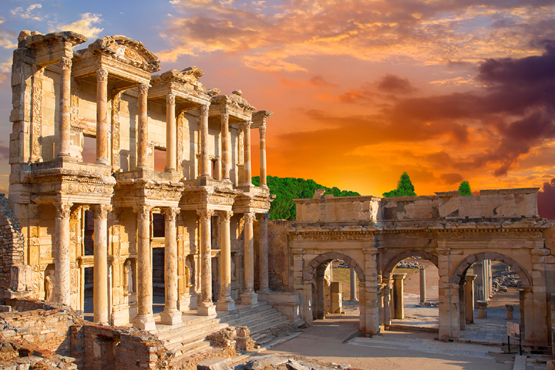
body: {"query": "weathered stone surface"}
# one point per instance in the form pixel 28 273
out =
pixel 215 363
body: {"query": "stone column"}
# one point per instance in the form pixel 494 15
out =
pixel 387 303
pixel 61 254
pixel 171 134
pixel 100 290
pixel 102 116
pixel 204 160
pixel 249 297
pixel 142 135
pixel 225 303
pixel 65 107
pixel 171 315
pixel 482 309
pixel 510 308
pixel 422 285
pixel 247 170
pixel 263 172
pixel 205 307
pixel 469 298
pixel 398 298
pixel 371 291
pixel 353 285
pixel 263 256
pixel 144 319
pixel 479 283
pixel 226 147
pixel 462 305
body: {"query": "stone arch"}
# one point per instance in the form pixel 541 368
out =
pixel 406 254
pixel 464 265
pixel 309 270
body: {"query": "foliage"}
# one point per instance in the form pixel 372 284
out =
pixel 464 188
pixel 404 188
pixel 289 188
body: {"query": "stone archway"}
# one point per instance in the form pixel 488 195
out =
pixel 308 273
pixel 406 254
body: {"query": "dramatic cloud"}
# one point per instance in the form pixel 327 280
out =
pixel 84 26
pixel 546 200
pixel 450 178
pixel 395 85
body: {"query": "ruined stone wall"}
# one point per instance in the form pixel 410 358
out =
pixel 278 255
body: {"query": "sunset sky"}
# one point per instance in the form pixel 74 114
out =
pixel 361 90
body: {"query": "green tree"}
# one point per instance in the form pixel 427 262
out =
pixel 404 188
pixel 464 188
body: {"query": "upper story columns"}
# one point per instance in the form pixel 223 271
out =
pixel 259 121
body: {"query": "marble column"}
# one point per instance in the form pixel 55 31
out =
pixel 100 290
pixel 226 302
pixel 102 116
pixel 204 159
pixel 144 319
pixel 61 254
pixel 469 298
pixel 142 135
pixel 65 107
pixel 422 285
pixel 226 148
pixel 205 307
pixel 398 297
pixel 171 134
pixel 263 173
pixel 353 285
pixel 247 170
pixel 263 256
pixel 249 297
pixel 171 315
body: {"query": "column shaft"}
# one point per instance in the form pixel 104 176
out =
pixel 422 284
pixel 398 296
pixel 353 285
pixel 263 253
pixel 205 306
pixel 226 302
pixel 100 290
pixel 249 297
pixel 263 172
pixel 61 254
pixel 204 159
pixel 144 319
pixel 171 315
pixel 102 116
pixel 469 298
pixel 462 305
pixel 65 107
pixel 248 171
pixel 226 147
pixel 171 134
pixel 142 135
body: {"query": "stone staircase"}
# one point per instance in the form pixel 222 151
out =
pixel 189 337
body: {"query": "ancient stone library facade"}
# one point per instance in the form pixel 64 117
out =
pixel 116 168
pixel 373 234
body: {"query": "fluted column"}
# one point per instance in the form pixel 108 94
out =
pixel 102 116
pixel 171 315
pixel 205 307
pixel 226 148
pixel 171 129
pixel 65 107
pixel 100 290
pixel 226 302
pixel 142 136
pixel 247 170
pixel 204 160
pixel 249 297
pixel 61 254
pixel 263 173
pixel 263 254
pixel 144 319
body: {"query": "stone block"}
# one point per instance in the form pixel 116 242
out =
pixel 214 363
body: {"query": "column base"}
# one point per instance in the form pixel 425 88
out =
pixel 226 305
pixel 171 317
pixel 206 309
pixel 249 299
pixel 263 295
pixel 145 322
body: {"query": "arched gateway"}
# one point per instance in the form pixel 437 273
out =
pixel 373 234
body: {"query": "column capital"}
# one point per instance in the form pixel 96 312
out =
pixel 171 213
pixel 262 130
pixel 66 63
pixel 102 75
pixel 225 117
pixel 100 211
pixel 246 125
pixel 263 217
pixel 204 109
pixel 205 214
pixel 63 210
pixel 249 217
pixel 143 89
pixel 170 99
pixel 143 212
pixel 225 215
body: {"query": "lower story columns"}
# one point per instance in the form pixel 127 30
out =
pixel 171 315
pixel 249 297
pixel 226 302
pixel 100 291
pixel 62 287
pixel 205 306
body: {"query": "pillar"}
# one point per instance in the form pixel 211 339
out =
pixel 387 303
pixel 65 107
pixel 422 285
pixel 171 315
pixel 226 147
pixel 469 298
pixel 263 255
pixel 205 307
pixel 247 170
pixel 226 302
pixel 263 172
pixel 482 309
pixel 353 285
pixel 371 291
pixel 142 135
pixel 398 298
pixel 100 290
pixel 102 116
pixel 144 319
pixel 61 254
pixel 204 160
pixel 249 297
pixel 462 305
pixel 171 136
pixel 510 308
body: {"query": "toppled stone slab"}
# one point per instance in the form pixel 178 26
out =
pixel 214 363
pixel 288 362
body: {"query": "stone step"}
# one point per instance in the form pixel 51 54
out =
pixel 246 312
pixel 201 320
pixel 258 328
pixel 249 320
pixel 184 350
pixel 190 335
